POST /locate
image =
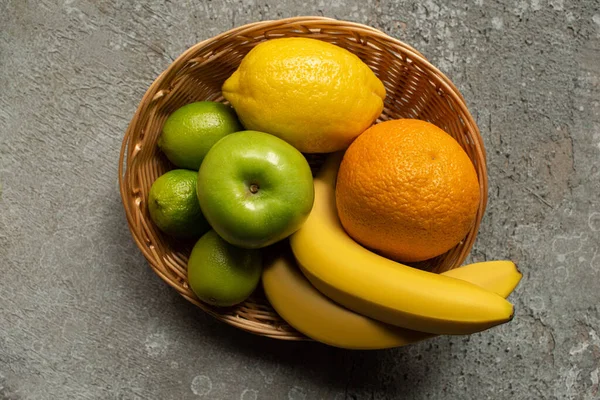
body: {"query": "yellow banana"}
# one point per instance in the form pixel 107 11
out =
pixel 499 276
pixel 380 288
pixel 315 315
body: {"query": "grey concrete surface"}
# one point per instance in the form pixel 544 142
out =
pixel 82 316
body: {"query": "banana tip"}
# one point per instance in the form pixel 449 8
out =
pixel 517 268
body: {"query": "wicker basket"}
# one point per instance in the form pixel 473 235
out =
pixel 415 89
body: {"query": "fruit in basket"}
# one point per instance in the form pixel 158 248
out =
pixel 380 288
pixel 407 190
pixel 315 315
pixel 498 276
pixel 221 274
pixel 190 131
pixel 255 189
pixel 173 204
pixel 315 95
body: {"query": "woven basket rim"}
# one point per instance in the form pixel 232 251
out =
pixel 153 92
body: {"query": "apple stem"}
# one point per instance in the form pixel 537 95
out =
pixel 254 188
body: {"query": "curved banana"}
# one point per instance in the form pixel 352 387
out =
pixel 315 315
pixel 380 288
pixel 499 276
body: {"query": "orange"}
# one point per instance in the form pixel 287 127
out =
pixel 407 190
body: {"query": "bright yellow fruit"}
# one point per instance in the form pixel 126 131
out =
pixel 380 288
pixel 315 95
pixel 316 316
pixel 498 276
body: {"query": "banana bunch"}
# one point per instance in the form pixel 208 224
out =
pixel 344 295
pixel 309 311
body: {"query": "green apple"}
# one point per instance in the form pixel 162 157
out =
pixel 254 189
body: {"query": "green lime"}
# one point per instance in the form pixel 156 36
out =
pixel 193 129
pixel 222 274
pixel 174 206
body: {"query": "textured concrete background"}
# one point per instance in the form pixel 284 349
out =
pixel 82 316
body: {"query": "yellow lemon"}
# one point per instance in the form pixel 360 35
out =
pixel 315 95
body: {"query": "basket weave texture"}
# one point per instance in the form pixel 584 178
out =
pixel 415 89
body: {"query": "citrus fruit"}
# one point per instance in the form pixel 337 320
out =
pixel 220 273
pixel 173 204
pixel 315 95
pixel 190 131
pixel 407 189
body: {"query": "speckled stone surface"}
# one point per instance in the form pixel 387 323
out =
pixel 82 316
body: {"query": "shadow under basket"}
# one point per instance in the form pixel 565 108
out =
pixel 415 89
